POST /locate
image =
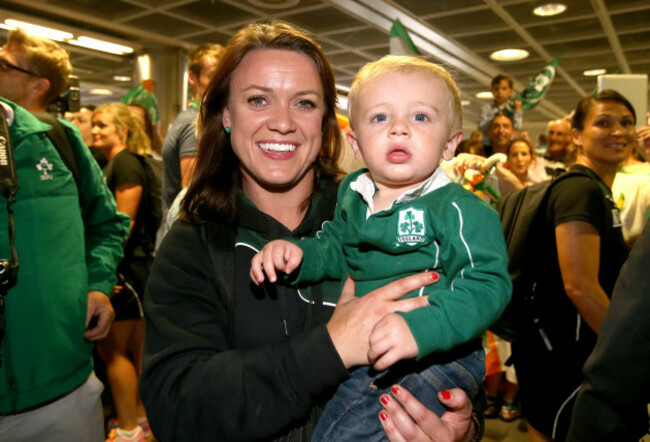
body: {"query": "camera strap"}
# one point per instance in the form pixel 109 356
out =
pixel 8 188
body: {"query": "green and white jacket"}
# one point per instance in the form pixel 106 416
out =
pixel 64 251
pixel 440 227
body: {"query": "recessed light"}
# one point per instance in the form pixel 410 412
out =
pixel 124 78
pixel 274 4
pixel 509 55
pixel 549 9
pixel 594 72
pixel 465 103
pixel 486 95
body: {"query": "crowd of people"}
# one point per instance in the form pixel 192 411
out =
pixel 293 300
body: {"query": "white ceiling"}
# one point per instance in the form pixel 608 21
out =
pixel 609 34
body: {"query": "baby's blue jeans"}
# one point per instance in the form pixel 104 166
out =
pixel 353 413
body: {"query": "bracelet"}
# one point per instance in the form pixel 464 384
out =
pixel 478 427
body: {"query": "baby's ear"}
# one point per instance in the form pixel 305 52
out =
pixel 452 144
pixel 352 139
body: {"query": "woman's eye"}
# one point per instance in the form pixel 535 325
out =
pixel 420 117
pixel 257 100
pixel 307 103
pixel 379 118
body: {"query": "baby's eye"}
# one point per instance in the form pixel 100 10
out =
pixel 379 118
pixel 257 100
pixel 420 117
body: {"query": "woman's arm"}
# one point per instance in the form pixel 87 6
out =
pixel 127 197
pixel 578 250
pixel 196 387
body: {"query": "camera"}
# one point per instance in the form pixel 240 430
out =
pixel 8 275
pixel 69 100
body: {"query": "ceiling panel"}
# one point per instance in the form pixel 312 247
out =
pixel 353 32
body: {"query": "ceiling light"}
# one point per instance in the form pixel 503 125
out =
pixel 40 31
pixel 549 9
pixel 342 102
pixel 594 72
pixel 465 103
pixel 509 55
pixel 486 95
pixel 100 45
pixel 124 78
pixel 100 92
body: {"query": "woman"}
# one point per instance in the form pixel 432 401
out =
pixel 121 137
pixel 584 249
pixel 139 111
pixel 520 155
pixel 225 359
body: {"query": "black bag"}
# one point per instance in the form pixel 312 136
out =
pixel 150 212
pixel 521 215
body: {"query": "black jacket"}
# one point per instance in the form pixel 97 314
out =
pixel 254 366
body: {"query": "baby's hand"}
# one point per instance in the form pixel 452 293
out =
pixel 276 255
pixel 391 341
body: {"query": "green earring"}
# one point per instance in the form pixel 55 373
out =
pixel 227 130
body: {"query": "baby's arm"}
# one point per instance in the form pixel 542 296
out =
pixel 276 255
pixel 391 340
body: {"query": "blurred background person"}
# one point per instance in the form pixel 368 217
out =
pixel 520 156
pixel 140 112
pixel 121 137
pixel 82 119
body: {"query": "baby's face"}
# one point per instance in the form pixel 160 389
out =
pixel 402 127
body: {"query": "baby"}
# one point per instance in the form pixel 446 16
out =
pixel 401 216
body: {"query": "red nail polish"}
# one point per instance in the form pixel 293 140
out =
pixel 445 395
pixel 384 400
pixel 383 416
pixel 395 389
pixel 435 276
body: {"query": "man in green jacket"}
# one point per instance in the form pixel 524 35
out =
pixel 69 241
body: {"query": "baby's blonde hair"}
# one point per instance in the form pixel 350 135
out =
pixel 406 64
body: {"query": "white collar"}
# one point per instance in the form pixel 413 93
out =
pixel 365 186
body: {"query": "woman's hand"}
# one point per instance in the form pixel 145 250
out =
pixel 354 318
pixel 412 421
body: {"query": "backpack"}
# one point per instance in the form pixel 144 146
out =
pixel 522 214
pixel 150 212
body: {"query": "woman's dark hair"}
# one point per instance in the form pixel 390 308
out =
pixel 217 177
pixel 584 106
pixel 520 140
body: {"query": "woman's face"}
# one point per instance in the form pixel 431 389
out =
pixel 519 158
pixel 275 113
pixel 81 119
pixel 608 135
pixel 105 133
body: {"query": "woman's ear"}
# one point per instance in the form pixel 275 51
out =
pixel 352 139
pixel 225 118
pixel 576 137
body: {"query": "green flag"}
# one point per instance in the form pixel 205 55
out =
pixel 537 88
pixel 400 42
pixel 140 95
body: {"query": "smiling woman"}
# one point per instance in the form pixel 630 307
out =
pixel 584 251
pixel 224 359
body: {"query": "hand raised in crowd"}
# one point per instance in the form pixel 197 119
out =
pixel 643 135
pixel 355 318
pixel 404 418
pixel 276 255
